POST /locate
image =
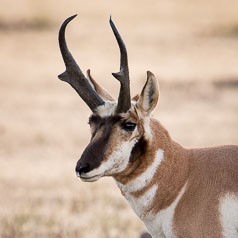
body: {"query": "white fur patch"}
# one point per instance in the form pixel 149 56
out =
pixel 142 181
pixel 140 204
pixel 117 162
pixel 161 224
pixel 107 109
pixel 146 124
pixel 229 215
pixel 147 128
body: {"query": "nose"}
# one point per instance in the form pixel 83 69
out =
pixel 82 168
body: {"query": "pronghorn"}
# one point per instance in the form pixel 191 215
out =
pixel 177 192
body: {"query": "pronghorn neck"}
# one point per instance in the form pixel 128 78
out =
pixel 175 191
pixel 158 176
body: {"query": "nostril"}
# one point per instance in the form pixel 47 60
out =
pixel 82 169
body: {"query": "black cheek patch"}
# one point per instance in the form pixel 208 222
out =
pixel 138 150
pixel 94 153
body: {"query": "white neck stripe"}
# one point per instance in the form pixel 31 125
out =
pixel 140 182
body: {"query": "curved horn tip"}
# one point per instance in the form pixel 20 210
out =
pixel 110 19
pixel 73 16
pixel 69 19
pixel 64 24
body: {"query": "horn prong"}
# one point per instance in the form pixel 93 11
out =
pixel 124 99
pixel 73 74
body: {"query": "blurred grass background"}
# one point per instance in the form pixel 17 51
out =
pixel 192 46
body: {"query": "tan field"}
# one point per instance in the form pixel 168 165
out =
pixel 192 46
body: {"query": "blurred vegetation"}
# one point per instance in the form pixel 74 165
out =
pixel 38 23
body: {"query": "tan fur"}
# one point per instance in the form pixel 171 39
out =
pixel 173 171
pixel 169 179
pixel 209 174
pixel 213 172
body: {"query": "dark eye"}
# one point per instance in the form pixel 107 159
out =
pixel 128 126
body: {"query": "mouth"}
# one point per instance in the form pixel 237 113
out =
pixel 85 178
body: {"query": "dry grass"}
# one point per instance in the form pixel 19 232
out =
pixel 191 45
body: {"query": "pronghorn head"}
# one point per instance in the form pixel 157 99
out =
pixel 120 129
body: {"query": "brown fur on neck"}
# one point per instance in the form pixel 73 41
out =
pixel 172 173
pixel 169 178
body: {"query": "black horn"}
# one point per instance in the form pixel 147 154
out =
pixel 124 99
pixel 73 74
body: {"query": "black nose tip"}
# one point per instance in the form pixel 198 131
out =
pixel 82 168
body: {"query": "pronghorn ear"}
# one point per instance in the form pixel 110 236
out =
pixel 149 96
pixel 100 90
